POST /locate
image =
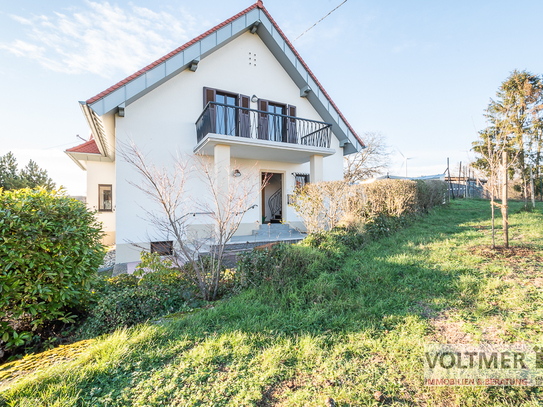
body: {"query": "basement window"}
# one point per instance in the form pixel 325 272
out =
pixel 162 248
pixel 105 198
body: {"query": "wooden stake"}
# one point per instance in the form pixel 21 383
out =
pixel 504 203
pixel 532 186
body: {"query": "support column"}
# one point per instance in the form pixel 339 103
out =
pixel 221 156
pixel 316 168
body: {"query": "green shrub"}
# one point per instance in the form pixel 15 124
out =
pixel 156 288
pixel 282 266
pixel 50 246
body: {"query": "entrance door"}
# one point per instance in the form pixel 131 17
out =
pixel 272 198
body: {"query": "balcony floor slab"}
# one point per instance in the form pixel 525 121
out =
pixel 262 150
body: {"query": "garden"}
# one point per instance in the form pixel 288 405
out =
pixel 343 315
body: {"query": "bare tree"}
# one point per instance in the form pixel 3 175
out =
pixel 371 161
pixel 220 207
pixel 495 146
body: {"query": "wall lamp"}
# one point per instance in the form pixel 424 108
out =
pixel 236 173
pixel 254 98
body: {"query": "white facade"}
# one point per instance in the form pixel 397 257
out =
pixel 102 173
pixel 161 123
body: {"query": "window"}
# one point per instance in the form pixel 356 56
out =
pixel 162 248
pixel 301 180
pixel 225 116
pixel 105 198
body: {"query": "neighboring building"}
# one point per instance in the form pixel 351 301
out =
pixel 240 93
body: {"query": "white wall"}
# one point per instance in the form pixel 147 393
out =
pixel 102 173
pixel 162 123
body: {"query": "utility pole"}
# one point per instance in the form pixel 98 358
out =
pixel 504 203
pixel 459 177
pixel 465 183
pixel 450 183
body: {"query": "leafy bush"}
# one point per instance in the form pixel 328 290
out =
pixel 50 248
pixel 156 288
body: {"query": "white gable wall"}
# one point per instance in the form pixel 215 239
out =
pixel 163 122
pixel 102 173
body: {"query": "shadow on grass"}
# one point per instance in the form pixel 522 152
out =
pixel 383 292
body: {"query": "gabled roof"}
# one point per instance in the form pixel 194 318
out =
pixel 255 18
pixel 88 147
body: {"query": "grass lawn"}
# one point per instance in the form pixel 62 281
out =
pixel 361 331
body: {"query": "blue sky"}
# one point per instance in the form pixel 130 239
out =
pixel 419 72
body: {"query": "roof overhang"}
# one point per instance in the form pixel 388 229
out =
pixel 261 150
pixel 81 158
pixel 255 19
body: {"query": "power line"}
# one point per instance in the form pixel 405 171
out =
pixel 345 1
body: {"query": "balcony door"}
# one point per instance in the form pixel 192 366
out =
pixel 226 114
pixel 273 125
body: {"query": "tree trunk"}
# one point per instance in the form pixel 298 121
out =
pixel 492 209
pixel 504 203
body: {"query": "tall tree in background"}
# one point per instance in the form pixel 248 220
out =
pixel 32 176
pixel 518 109
pixel 371 161
pixel 512 140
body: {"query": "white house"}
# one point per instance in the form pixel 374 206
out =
pixel 239 92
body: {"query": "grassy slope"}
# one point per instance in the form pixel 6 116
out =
pixel 427 283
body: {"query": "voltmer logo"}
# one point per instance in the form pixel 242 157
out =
pixel 483 365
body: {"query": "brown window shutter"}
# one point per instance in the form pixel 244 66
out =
pixel 209 95
pixel 211 114
pixel 263 119
pixel 292 134
pixel 244 116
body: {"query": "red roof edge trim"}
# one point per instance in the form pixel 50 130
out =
pixel 89 147
pixel 174 52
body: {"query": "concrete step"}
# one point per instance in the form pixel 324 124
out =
pixel 272 228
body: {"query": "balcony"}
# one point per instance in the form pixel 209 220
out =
pixel 261 135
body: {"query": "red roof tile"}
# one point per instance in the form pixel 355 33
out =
pixel 258 4
pixel 88 147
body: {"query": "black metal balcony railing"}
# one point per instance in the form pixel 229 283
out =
pixel 236 121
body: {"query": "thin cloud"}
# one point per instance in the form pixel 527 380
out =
pixel 101 38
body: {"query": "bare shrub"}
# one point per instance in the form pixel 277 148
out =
pixel 221 204
pixel 323 205
pixel 430 193
pixel 390 197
